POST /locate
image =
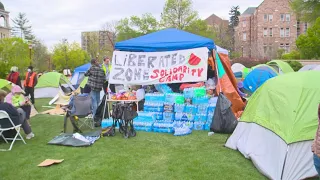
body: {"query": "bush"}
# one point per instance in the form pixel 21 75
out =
pixel 280 52
pixel 296 65
pixel 235 54
pixel 249 62
pixel 293 55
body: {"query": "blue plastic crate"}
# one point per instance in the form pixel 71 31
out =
pixel 179 108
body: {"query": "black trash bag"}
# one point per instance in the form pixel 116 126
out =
pixel 99 113
pixel 224 121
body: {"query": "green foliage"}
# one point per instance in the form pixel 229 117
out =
pixel 178 14
pixel 309 43
pixel 235 54
pixel 67 55
pixel 293 55
pixel 280 52
pixel 296 65
pixel 200 27
pixel 22 28
pixel 308 10
pixel 40 57
pixel 13 52
pixel 136 26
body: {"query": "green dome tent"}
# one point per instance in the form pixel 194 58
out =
pixel 278 126
pixel 5 85
pixel 280 66
pixel 50 83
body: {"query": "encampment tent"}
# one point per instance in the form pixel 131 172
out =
pixel 222 50
pixel 308 67
pixel 280 66
pixel 50 83
pixel 278 126
pixel 78 74
pixel 259 75
pixel 5 85
pixel 237 67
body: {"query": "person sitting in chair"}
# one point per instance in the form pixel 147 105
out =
pixel 17 99
pixel 18 116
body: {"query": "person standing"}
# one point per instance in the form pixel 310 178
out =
pixel 106 66
pixel 14 76
pixel 96 78
pixel 30 82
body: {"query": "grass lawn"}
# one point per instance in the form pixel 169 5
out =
pixel 147 156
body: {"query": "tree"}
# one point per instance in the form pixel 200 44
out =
pixel 307 10
pixel 67 55
pixel 13 52
pixel 41 57
pixel 309 43
pixel 136 26
pixel 234 21
pixel 22 28
pixel 178 14
pixel 201 28
pixel 111 28
pixel 93 43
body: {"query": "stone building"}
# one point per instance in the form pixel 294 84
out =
pixel 264 29
pixel 4 22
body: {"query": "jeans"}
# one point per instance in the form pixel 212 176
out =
pixel 316 161
pixel 95 98
pixel 23 121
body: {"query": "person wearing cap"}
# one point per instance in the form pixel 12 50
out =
pixel 14 76
pixel 106 66
pixel 16 99
pixel 30 82
pixel 17 115
pixel 96 78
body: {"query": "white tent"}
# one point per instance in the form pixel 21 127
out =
pixel 308 67
pixel 221 50
pixel 237 67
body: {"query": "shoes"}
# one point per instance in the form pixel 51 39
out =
pixel 29 136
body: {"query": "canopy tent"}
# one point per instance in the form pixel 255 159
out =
pixel 258 76
pixel 280 66
pixel 308 67
pixel 317 68
pixel 50 83
pixel 278 126
pixel 221 50
pixel 78 74
pixel 165 40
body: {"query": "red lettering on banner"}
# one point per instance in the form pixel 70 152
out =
pixel 200 72
pixel 181 77
pixel 175 70
pixel 175 77
pixel 155 74
pixel 185 69
pixel 163 73
pixel 193 71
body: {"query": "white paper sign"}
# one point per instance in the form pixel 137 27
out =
pixel 145 68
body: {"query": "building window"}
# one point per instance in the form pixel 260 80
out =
pixel 282 46
pixel 305 27
pixel 270 17
pixel 298 28
pixel 244 36
pixel 281 32
pixel 265 49
pixel 287 48
pixel 265 32
pixel 287 32
pixel 282 17
pixel 270 32
pixel 265 17
pixel 288 17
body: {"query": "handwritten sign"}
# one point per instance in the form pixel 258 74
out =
pixel 145 68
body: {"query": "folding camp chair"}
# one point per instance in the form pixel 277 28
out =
pixel 83 112
pixel 5 117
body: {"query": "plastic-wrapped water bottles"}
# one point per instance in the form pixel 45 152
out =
pixel 200 100
pixel 213 101
pixel 168 116
pixel 154 97
pixel 199 125
pixel 163 88
pixel 184 117
pixel 201 117
pixel 211 109
pixel 188 93
pixel 163 127
pixel 203 109
pixel 179 108
pixel 190 109
pixel 106 123
pixel 168 107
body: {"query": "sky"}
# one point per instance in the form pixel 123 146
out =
pixel 54 20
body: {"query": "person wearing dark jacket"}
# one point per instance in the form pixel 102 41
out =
pixel 18 116
pixel 30 82
pixel 95 82
pixel 14 76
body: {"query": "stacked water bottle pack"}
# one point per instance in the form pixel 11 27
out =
pixel 174 112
